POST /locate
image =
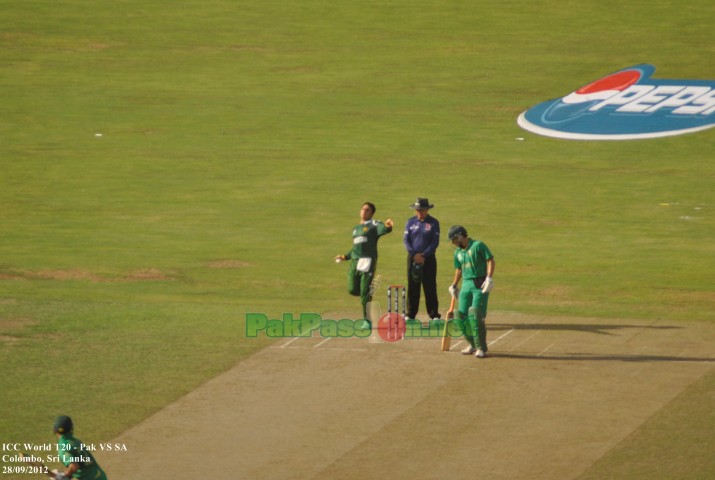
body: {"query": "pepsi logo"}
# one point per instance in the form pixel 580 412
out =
pixel 626 105
pixel 604 88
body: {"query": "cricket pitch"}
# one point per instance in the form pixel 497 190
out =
pixel 554 397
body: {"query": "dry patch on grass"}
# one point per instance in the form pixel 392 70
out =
pixel 11 327
pixel 64 275
pixel 10 276
pixel 222 264
pixel 15 323
pixel 149 274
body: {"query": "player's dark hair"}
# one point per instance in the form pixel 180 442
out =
pixel 372 206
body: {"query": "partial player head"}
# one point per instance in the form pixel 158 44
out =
pixel 63 424
pixel 457 235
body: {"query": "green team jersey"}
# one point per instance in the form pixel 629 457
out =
pixel 365 237
pixel 472 261
pixel 71 450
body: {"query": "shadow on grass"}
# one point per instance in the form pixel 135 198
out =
pixel 600 329
pixel 589 357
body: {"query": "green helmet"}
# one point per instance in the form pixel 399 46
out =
pixel 63 424
pixel 455 230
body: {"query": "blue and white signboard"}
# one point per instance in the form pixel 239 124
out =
pixel 626 105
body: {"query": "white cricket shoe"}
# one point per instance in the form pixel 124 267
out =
pixel 468 351
pixel 480 354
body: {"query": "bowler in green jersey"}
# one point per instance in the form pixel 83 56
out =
pixel 79 461
pixel 474 264
pixel 363 255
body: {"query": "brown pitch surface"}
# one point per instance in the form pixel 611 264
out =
pixel 554 396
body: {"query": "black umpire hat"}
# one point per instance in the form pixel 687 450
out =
pixel 421 204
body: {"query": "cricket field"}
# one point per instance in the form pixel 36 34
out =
pixel 168 168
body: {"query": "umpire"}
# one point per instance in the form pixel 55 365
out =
pixel 421 241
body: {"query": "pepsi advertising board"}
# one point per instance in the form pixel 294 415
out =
pixel 626 105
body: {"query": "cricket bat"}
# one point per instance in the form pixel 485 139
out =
pixel 446 339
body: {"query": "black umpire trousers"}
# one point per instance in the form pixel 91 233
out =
pixel 429 283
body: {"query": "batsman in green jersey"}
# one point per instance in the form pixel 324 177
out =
pixel 363 255
pixel 79 461
pixel 474 265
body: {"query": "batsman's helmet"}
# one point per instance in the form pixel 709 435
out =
pixel 63 424
pixel 455 230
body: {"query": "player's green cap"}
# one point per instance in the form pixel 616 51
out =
pixel 63 424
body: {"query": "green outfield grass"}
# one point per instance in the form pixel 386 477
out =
pixel 239 139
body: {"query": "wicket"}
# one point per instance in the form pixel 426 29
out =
pixel 395 327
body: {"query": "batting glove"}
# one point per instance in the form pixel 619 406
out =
pixel 454 291
pixel 61 476
pixel 487 285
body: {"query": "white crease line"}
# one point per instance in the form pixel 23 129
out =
pixel 289 342
pixel 455 345
pixel 525 340
pixel 495 341
pixel 544 350
pixel 326 339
